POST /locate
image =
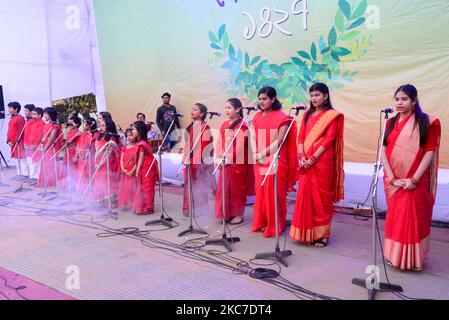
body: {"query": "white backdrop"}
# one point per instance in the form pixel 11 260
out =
pixel 48 51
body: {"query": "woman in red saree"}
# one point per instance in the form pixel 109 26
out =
pixel 268 129
pixel 321 174
pixel 73 135
pixel 201 161
pixel 52 143
pixel 128 181
pixel 237 165
pixel 410 156
pixel 144 200
pixel 85 152
pixel 107 155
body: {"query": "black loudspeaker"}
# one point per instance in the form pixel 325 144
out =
pixel 2 104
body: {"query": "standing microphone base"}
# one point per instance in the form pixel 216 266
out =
pixel 277 255
pixel 163 220
pixel 191 230
pixel 225 241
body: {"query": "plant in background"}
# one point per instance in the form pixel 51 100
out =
pixel 83 105
pixel 323 62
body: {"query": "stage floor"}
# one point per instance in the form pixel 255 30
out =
pixel 43 240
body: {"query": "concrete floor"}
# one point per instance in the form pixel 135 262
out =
pixel 43 240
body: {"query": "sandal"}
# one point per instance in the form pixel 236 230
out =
pixel 321 243
pixel 236 220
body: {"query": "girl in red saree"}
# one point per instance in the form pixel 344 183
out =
pixel 144 200
pixel 128 181
pixel 321 175
pixel 73 135
pixel 410 157
pixel 237 165
pixel 52 142
pixel 200 159
pixel 107 154
pixel 85 152
pixel 268 129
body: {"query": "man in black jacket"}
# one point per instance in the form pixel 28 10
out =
pixel 165 115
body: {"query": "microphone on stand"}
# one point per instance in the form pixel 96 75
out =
pixel 387 110
pixel 299 108
pixel 212 113
pixel 179 115
pixel 249 108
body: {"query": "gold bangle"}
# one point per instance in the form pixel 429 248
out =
pixel 414 181
pixel 393 181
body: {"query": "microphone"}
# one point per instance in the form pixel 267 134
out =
pixel 387 110
pixel 212 113
pixel 299 108
pixel 179 115
pixel 151 122
pixel 249 108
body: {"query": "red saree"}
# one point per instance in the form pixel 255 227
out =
pixel 266 128
pixel 128 184
pixel 49 166
pixel 85 151
pixel 236 173
pixel 322 184
pixel 409 213
pixel 100 190
pixel 201 168
pixel 72 140
pixel 144 200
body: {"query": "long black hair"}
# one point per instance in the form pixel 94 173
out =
pixel 203 110
pixel 324 89
pixel 141 128
pixel 76 120
pixel 92 122
pixel 237 104
pixel 421 119
pixel 105 114
pixel 271 93
pixel 52 112
pixel 111 131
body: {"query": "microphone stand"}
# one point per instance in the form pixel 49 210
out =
pixel 69 180
pixel 277 254
pixel 112 215
pixel 163 220
pixel 19 160
pixel 44 177
pixel 225 241
pixel 188 165
pixel 371 283
pixel 86 160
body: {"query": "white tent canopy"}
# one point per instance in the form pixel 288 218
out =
pixel 49 51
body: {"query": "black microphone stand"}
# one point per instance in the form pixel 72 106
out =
pixel 112 215
pixel 69 180
pixel 371 283
pixel 163 220
pixel 188 166
pixel 277 254
pixel 225 241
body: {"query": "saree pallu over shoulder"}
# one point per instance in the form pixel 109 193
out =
pixel 315 136
pixel 409 212
pixel 405 151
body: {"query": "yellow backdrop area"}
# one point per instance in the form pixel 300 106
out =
pixel 200 51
